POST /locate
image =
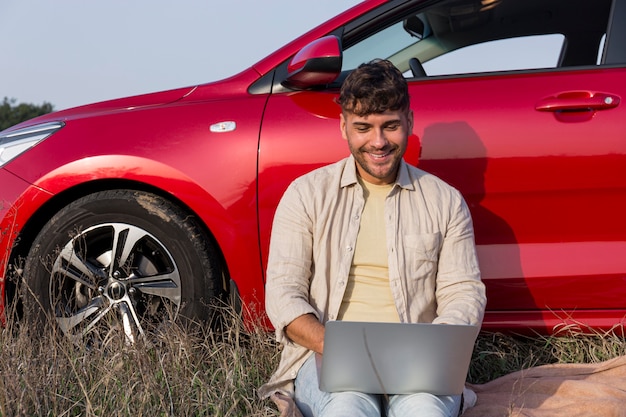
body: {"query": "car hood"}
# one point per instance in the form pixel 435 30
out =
pixel 111 106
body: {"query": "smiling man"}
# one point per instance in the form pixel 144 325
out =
pixel 368 238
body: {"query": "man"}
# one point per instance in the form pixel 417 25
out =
pixel 368 238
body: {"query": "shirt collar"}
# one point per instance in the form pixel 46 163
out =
pixel 349 175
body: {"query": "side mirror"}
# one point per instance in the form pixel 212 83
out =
pixel 318 63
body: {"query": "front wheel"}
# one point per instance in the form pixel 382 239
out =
pixel 120 260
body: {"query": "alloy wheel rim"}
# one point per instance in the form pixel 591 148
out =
pixel 114 276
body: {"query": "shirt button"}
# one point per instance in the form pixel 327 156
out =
pixel 349 248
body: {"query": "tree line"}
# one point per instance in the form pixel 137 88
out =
pixel 12 113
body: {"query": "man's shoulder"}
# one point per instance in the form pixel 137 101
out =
pixel 315 187
pixel 326 174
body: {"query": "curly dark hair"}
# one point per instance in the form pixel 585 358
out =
pixel 374 87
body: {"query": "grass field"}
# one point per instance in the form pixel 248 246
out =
pixel 196 371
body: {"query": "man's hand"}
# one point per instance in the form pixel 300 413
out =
pixel 307 331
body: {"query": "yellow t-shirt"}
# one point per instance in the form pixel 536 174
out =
pixel 368 294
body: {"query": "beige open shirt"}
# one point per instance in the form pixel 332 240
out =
pixel 433 269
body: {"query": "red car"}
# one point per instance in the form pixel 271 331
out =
pixel 137 209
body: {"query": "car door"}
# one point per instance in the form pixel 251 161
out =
pixel 545 187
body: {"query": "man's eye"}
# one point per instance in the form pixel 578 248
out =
pixel 362 129
pixel 394 126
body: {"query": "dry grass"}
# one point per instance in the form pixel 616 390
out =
pixel 196 371
pixel 497 354
pixel 186 372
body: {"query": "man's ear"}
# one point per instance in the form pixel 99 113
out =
pixel 342 126
pixel 410 120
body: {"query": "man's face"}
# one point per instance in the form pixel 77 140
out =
pixel 377 142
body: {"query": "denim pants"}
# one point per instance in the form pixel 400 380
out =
pixel 315 403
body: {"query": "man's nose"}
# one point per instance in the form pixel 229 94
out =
pixel 379 139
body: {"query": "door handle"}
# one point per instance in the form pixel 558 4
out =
pixel 578 101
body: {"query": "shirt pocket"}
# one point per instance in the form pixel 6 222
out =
pixel 421 254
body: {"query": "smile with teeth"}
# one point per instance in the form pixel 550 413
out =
pixel 379 156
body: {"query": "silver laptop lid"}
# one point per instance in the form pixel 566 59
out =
pixel 396 358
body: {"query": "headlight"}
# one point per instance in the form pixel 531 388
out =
pixel 14 143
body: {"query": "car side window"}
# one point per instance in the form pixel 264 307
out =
pixel 526 52
pixel 381 44
pixel 462 37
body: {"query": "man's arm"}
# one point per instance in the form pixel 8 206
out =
pixel 460 292
pixel 307 331
pixel 290 264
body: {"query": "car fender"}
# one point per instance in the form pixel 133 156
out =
pixel 100 172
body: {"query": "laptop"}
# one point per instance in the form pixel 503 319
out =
pixel 395 358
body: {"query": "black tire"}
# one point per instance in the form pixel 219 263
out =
pixel 163 267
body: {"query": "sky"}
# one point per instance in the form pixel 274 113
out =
pixel 74 52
